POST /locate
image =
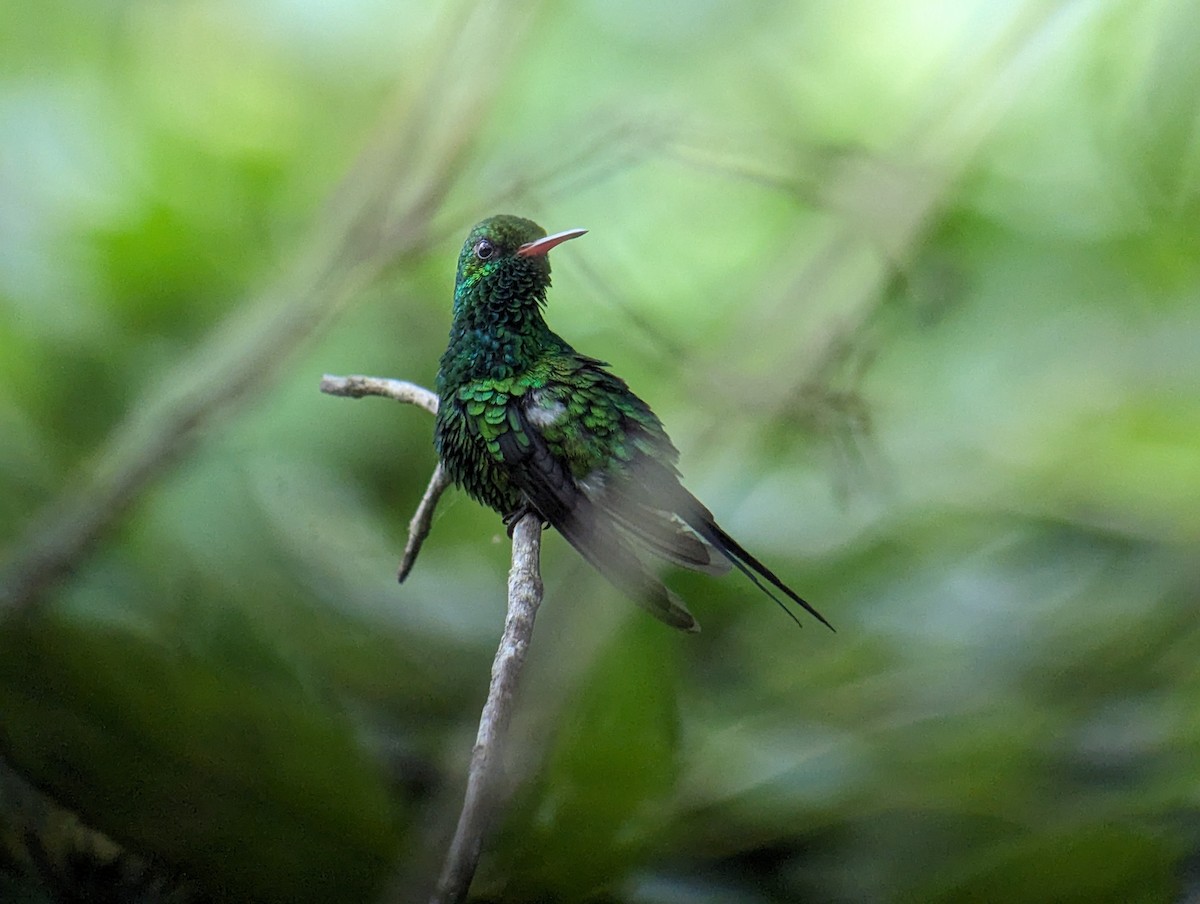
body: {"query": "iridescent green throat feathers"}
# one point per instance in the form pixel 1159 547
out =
pixel 528 424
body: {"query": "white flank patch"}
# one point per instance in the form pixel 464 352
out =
pixel 541 414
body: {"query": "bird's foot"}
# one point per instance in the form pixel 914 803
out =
pixel 511 519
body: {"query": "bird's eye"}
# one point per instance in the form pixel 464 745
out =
pixel 485 250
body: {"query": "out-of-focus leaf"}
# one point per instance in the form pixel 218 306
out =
pixel 252 788
pixel 1062 865
pixel 598 804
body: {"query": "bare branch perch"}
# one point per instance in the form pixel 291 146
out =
pixel 482 795
pixel 524 597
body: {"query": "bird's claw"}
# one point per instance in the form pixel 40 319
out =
pixel 511 519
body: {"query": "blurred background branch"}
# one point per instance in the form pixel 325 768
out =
pixel 381 214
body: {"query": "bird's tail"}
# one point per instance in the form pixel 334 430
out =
pixel 703 523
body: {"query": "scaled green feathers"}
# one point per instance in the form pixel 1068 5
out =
pixel 526 423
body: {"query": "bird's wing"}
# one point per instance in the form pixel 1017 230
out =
pixel 625 455
pixel 639 508
pixel 550 488
pixel 653 485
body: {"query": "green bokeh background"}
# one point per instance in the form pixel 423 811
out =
pixel 915 288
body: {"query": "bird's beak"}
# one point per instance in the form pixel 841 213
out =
pixel 541 246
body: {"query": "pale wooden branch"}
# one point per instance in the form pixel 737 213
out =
pixel 482 794
pixel 524 597
pixel 356 386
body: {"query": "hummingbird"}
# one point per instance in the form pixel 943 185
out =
pixel 526 424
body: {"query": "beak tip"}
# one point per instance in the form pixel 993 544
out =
pixel 543 245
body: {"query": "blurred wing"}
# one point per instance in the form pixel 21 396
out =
pixel 643 511
pixel 652 488
pixel 557 496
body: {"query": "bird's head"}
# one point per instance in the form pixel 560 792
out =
pixel 504 261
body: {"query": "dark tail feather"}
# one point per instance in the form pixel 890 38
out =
pixel 753 569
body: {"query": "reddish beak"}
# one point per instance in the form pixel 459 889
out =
pixel 541 246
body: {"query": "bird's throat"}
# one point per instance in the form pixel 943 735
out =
pixel 492 344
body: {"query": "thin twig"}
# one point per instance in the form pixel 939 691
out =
pixel 482 795
pixel 422 520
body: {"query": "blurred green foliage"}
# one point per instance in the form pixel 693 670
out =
pixel 915 288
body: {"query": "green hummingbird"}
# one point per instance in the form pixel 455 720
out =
pixel 527 424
